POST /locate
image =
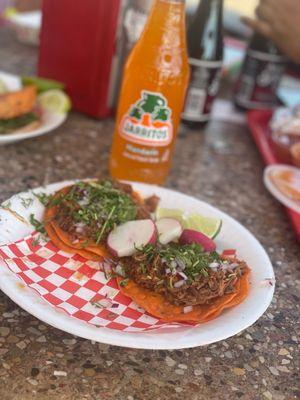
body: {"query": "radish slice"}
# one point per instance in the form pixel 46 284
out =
pixel 169 229
pixel 125 238
pixel 189 236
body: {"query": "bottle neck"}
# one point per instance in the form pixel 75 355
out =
pixel 207 5
pixel 206 31
pixel 167 17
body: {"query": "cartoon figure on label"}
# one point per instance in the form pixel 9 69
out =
pixel 148 121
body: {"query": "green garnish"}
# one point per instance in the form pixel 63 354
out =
pixel 38 226
pixel 42 84
pixel 99 236
pixel 43 198
pixel 124 282
pixel 36 241
pixel 8 125
pixel 6 205
pixel 190 256
pixel 26 202
pixel 97 205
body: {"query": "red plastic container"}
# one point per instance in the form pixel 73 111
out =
pixel 258 122
pixel 77 48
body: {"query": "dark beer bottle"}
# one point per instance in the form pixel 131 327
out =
pixel 260 75
pixel 205 47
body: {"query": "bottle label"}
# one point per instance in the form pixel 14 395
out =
pixel 259 80
pixel 148 121
pixel 203 88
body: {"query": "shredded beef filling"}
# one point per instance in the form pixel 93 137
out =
pixel 79 230
pixel 202 289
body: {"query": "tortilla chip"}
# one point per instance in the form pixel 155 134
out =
pixel 156 305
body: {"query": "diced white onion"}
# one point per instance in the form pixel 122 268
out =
pixel 83 202
pixel 183 275
pixel 187 309
pixel 107 269
pixel 214 265
pixel 105 303
pixel 119 270
pixel 80 225
pixel 180 264
pixel 178 284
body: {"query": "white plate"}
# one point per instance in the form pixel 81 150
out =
pixel 27 26
pixel 50 120
pixel 233 235
pixel 290 203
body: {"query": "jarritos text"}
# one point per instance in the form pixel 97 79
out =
pixel 148 121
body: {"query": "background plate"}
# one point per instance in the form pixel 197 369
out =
pixel 286 201
pixel 233 235
pixel 50 120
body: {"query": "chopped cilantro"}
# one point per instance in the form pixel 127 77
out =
pixel 26 202
pixel 6 205
pixel 192 256
pixel 43 198
pixel 97 204
pixel 38 226
pixel 124 282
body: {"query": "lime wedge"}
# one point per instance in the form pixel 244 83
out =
pixel 55 100
pixel 3 87
pixel 41 84
pixel 10 12
pixel 175 213
pixel 209 226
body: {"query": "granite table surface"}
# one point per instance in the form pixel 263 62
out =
pixel 221 166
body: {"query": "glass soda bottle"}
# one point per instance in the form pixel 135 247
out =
pixel 262 69
pixel 205 48
pixel 151 99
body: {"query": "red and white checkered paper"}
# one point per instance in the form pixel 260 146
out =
pixel 73 284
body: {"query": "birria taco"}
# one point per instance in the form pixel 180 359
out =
pixel 78 218
pixel 176 282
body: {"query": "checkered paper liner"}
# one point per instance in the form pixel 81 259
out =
pixel 76 285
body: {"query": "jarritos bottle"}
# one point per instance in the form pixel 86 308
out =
pixel 152 96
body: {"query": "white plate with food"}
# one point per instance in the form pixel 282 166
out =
pixel 128 241
pixel 283 182
pixel 25 113
pixel 26 25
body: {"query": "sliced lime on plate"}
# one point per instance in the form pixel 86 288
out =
pixel 42 84
pixel 209 226
pixel 3 87
pixel 55 100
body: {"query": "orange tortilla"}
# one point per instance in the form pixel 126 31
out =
pixel 64 247
pixel 156 305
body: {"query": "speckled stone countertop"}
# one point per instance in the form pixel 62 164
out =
pixel 220 166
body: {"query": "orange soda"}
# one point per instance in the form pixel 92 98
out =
pixel 152 96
